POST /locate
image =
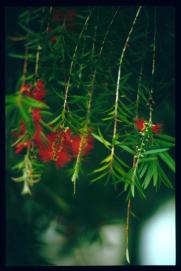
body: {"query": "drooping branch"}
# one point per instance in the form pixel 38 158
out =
pixel 118 84
pixel 87 120
pixel 71 65
pixel 151 101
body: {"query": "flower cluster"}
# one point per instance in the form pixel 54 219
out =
pixel 143 126
pixel 60 146
pixel 37 92
pixel 59 17
pixel 146 131
pixel 63 146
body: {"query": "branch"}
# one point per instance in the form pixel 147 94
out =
pixel 118 83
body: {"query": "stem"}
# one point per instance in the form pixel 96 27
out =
pixel 151 101
pixel 71 66
pixel 118 83
pixel 25 66
pixel 37 60
pixel 107 32
pixel 138 91
pixel 127 229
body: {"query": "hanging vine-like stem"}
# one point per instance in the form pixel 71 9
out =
pixel 151 101
pixel 83 136
pixel 118 84
pixel 71 66
pixel 25 65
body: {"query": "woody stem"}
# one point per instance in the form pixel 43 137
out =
pixel 118 83
pixel 71 67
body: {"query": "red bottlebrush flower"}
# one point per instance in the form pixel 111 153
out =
pixel 87 145
pixel 57 16
pixel 63 157
pixel 22 130
pixel 44 152
pixel 36 115
pixel 71 14
pixel 37 137
pixel 68 136
pixel 25 89
pixel 38 93
pixel 156 128
pixel 140 124
pixel 54 39
pixel 40 84
pixel 75 145
pixel 22 145
pixel 58 148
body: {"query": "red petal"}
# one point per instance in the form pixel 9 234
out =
pixel 140 124
pixel 156 128
pixel 44 152
pixel 75 144
pixel 36 115
pixel 38 94
pixel 40 84
pixel 54 39
pixel 63 157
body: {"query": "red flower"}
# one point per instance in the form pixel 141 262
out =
pixel 71 14
pixel 36 115
pixel 37 137
pixel 22 145
pixel 44 152
pixel 63 157
pixel 25 89
pixel 40 84
pixel 57 149
pixel 156 128
pixel 57 16
pixel 54 39
pixel 87 145
pixel 22 130
pixel 38 94
pixel 140 125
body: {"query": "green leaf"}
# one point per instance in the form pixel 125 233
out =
pixel 156 151
pixel 101 139
pixel 148 176
pixel 164 178
pixel 168 160
pixel 143 170
pixel 11 99
pixel 166 137
pixel 139 187
pixel 121 162
pixel 155 173
pixel 34 103
pixel 99 177
pixel 119 169
pixel 107 159
pixel 21 56
pixel 164 143
pixel 24 113
pixel 147 159
pixel 101 168
pixel 126 148
pixel 55 120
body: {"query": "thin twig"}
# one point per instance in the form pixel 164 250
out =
pixel 25 66
pixel 127 229
pixel 71 66
pixel 118 83
pixel 151 101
